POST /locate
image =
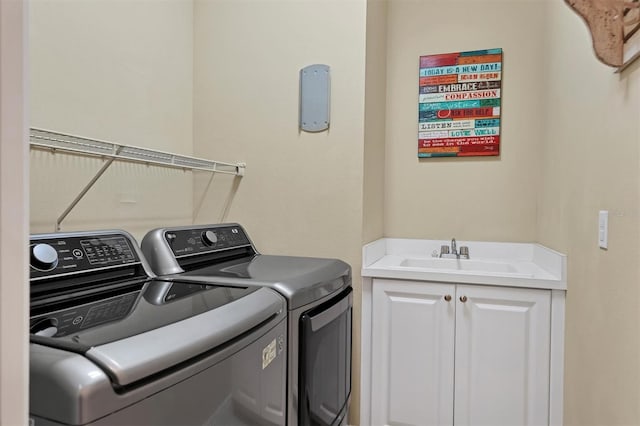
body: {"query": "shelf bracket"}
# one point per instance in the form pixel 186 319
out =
pixel 82 193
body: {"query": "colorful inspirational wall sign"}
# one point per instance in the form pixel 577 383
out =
pixel 459 104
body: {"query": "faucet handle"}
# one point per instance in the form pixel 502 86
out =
pixel 444 250
pixel 464 251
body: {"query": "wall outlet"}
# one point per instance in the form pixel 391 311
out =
pixel 603 229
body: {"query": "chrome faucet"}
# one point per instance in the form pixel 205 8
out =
pixel 453 253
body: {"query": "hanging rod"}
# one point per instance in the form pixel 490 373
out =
pixel 56 141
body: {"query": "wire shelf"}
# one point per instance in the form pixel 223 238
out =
pixel 55 141
pixel 79 145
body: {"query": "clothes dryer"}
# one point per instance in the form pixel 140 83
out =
pixel 319 299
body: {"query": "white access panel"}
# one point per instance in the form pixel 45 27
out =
pixel 315 95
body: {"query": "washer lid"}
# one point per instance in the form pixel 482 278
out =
pixel 142 355
pixel 113 315
pixel 302 280
pixel 165 323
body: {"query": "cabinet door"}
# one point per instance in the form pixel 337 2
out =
pixel 502 356
pixel 412 353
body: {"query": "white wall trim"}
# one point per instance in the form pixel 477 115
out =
pixel 365 351
pixel 14 214
pixel 556 368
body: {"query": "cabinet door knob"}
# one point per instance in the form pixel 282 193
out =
pixel 463 299
pixel 447 297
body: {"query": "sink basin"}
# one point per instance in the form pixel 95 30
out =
pixel 460 265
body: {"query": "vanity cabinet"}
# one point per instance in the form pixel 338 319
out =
pixel 459 354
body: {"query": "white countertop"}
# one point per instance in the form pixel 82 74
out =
pixel 491 263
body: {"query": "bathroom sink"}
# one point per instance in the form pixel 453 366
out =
pixel 455 265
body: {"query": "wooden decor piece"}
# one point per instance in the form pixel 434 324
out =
pixel 606 22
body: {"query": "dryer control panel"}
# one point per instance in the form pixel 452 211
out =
pixel 186 242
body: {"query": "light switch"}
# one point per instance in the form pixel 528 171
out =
pixel 603 229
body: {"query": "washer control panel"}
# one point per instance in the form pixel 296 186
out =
pixel 185 242
pixel 53 256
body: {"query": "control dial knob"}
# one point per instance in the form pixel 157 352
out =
pixel 44 257
pixel 209 238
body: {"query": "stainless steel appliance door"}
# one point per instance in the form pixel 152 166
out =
pixel 325 362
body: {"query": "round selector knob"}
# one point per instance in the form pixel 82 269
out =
pixel 209 238
pixel 44 257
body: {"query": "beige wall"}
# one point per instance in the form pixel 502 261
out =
pixel 302 193
pixel 375 109
pixel 120 71
pixel 14 215
pixel 477 198
pixel 591 162
pixel 373 152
